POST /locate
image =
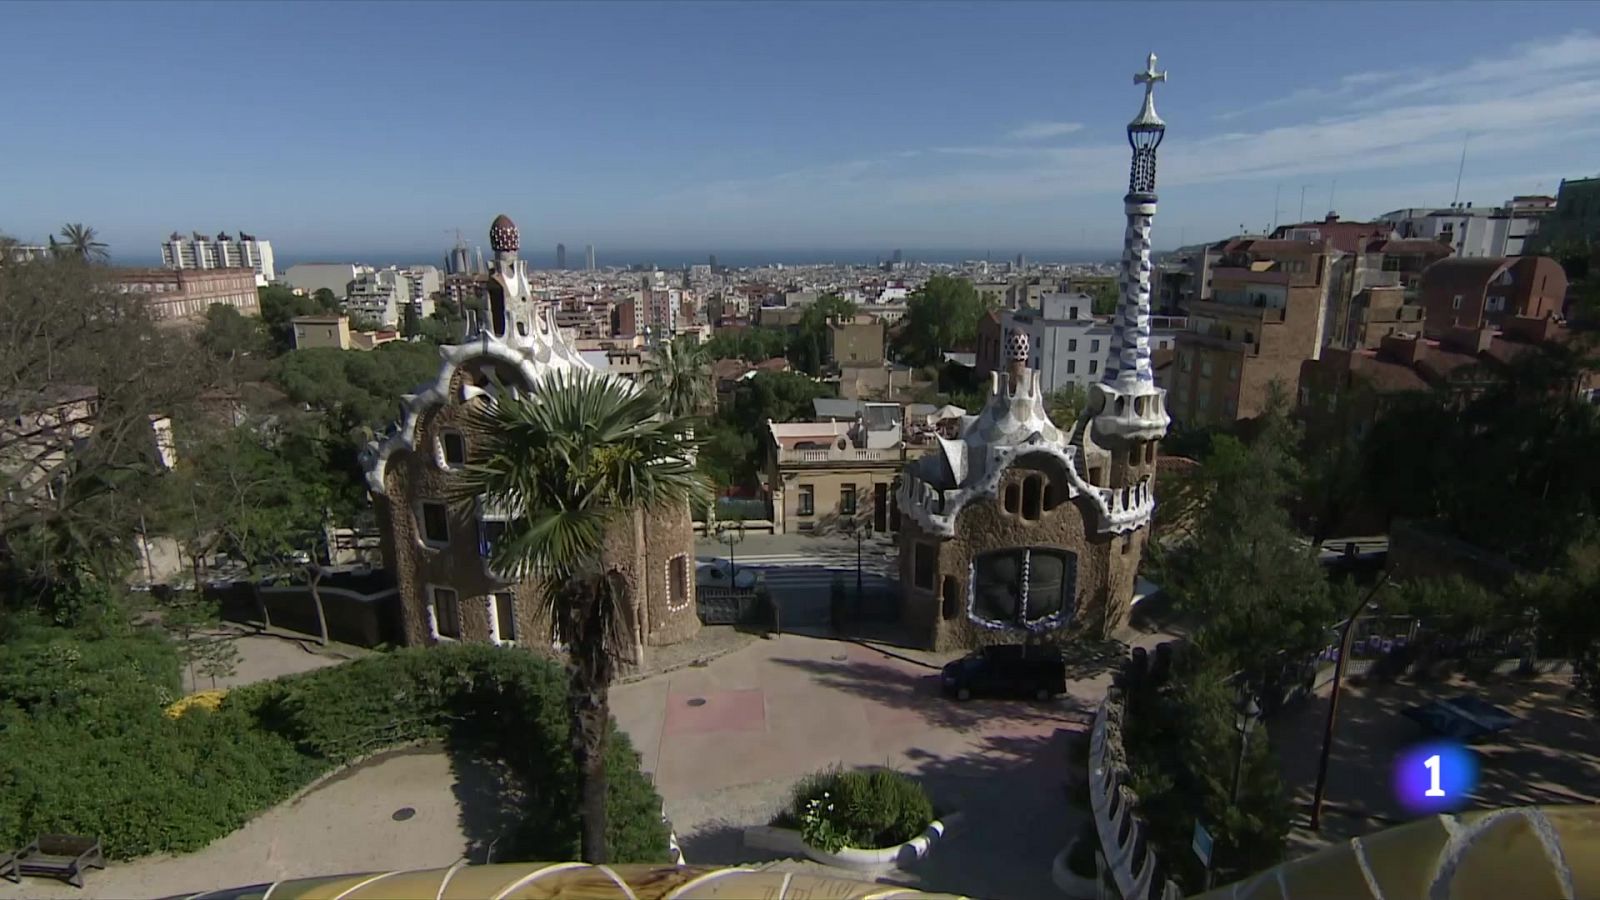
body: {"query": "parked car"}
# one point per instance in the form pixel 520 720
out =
pixel 1017 670
pixel 714 572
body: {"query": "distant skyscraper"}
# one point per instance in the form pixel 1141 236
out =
pixel 1022 262
pixel 589 257
pixel 561 256
pixel 896 258
pixel 713 262
pixel 459 260
pixel 480 268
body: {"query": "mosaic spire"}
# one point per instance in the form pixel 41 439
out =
pixel 1130 341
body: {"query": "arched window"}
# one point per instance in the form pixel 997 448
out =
pixel 1031 588
pixel 951 601
pixel 1013 501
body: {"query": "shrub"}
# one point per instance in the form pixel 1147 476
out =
pixel 86 746
pixel 873 808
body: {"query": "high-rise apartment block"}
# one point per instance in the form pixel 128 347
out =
pixel 222 252
pixel 561 256
pixel 589 258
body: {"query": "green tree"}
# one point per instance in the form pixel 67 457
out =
pixel 571 462
pixel 749 344
pixel 1246 574
pixel 1106 294
pixel 71 495
pixel 326 300
pixel 679 372
pixel 356 390
pixel 1065 404
pixel 942 315
pixel 229 335
pixel 775 397
pixel 81 241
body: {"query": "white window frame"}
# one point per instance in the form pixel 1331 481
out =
pixel 441 458
pixel 1455 303
pixel 682 561
pixel 492 601
pixel 486 514
pixel 431 612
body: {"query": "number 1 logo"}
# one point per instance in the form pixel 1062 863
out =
pixel 1433 765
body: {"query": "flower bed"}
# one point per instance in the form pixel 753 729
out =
pixel 861 819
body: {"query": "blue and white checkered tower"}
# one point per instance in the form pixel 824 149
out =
pixel 1127 406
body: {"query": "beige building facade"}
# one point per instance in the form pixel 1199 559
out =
pixel 438 545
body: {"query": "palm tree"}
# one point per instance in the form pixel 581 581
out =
pixel 569 462
pixel 679 372
pixel 80 239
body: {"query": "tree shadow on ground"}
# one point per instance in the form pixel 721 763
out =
pixel 885 680
pixel 490 797
pixel 720 842
pixel 1548 757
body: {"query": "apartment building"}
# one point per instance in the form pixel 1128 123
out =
pixel 182 296
pixel 383 296
pixel 222 252
pixel 1475 232
pixel 825 476
pixel 334 332
pixel 1470 294
pixel 1265 317
pixel 1069 345
pixel 335 277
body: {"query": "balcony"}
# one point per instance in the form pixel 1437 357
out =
pixel 835 455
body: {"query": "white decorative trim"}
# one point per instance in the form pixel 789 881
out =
pixel 440 459
pixel 493 604
pixel 431 613
pixel 548 354
pixel 688 583
pixel 935 510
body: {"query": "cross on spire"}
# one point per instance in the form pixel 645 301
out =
pixel 1148 78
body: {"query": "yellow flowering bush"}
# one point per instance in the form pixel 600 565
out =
pixel 206 700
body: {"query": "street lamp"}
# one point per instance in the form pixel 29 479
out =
pixel 861 530
pixel 1333 700
pixel 1245 714
pixel 730 533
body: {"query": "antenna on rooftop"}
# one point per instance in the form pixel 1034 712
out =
pixel 1461 168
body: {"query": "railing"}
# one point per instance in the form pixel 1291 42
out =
pixel 849 454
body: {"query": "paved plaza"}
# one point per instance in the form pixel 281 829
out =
pixel 773 711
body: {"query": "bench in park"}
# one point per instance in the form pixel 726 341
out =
pixel 65 856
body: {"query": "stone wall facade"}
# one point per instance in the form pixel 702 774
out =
pixel 1107 564
pixel 641 546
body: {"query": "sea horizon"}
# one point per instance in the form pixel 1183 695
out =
pixel 672 259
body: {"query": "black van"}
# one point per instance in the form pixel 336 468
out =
pixel 1017 670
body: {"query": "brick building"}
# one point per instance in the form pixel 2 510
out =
pixel 1470 294
pixel 1265 317
pixel 182 296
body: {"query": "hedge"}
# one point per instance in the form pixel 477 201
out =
pixel 868 809
pixel 85 747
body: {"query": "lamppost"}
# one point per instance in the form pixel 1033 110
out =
pixel 861 530
pixel 1333 700
pixel 730 532
pixel 1245 714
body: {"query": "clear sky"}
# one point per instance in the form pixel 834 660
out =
pixel 347 128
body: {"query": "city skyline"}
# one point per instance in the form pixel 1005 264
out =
pixel 766 130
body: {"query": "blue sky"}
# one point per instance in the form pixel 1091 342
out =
pixel 351 128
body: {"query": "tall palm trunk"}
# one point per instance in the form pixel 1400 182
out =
pixel 590 709
pixel 591 611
